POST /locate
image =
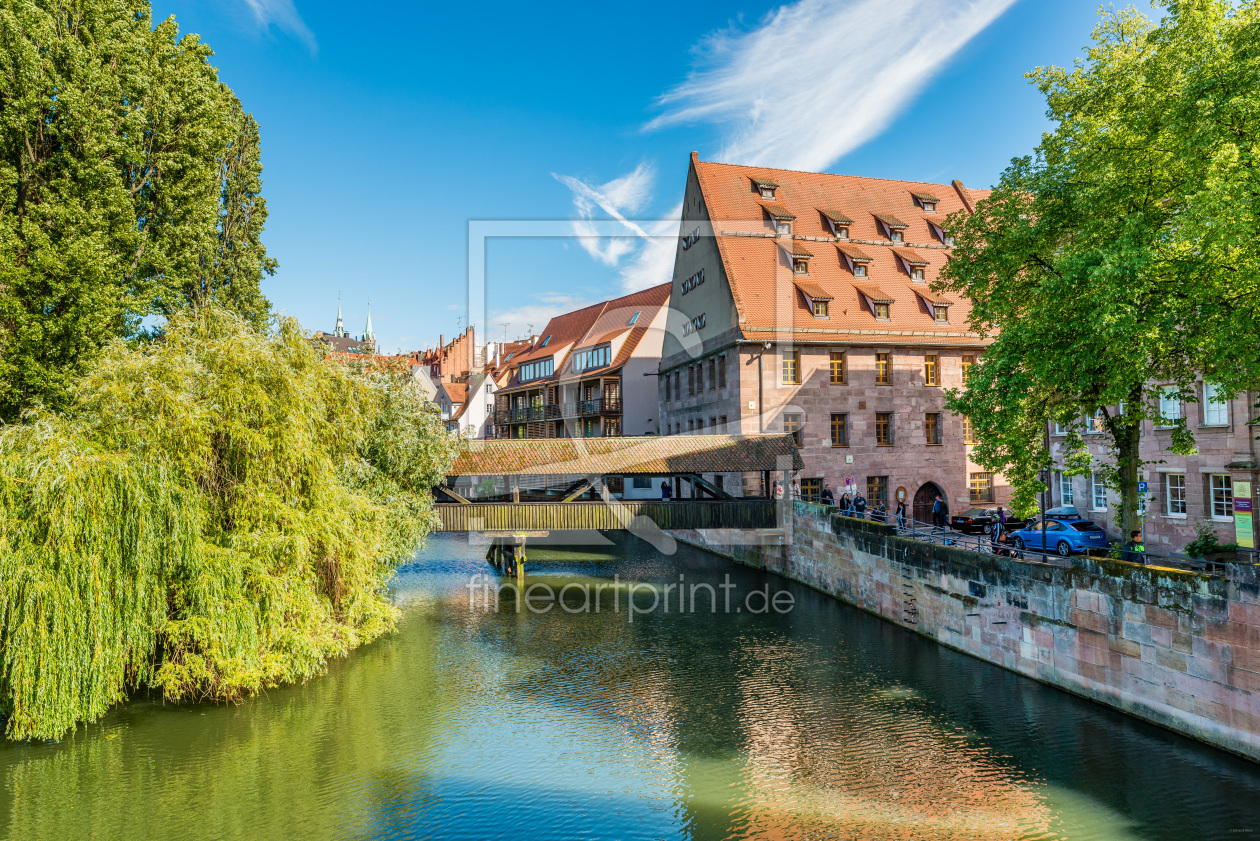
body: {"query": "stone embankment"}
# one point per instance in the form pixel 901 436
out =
pixel 1180 649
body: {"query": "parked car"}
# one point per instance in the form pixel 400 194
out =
pixel 974 521
pixel 1063 536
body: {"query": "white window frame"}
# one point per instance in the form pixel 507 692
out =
pixel 1098 488
pixel 1169 407
pixel 1215 408
pixel 1221 498
pixel 1174 496
pixel 1067 494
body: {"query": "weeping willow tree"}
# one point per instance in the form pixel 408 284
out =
pixel 215 513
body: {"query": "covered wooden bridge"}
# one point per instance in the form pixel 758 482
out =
pixel 535 485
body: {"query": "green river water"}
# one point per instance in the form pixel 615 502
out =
pixel 816 721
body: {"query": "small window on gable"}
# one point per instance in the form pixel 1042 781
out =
pixel 859 270
pixel 929 206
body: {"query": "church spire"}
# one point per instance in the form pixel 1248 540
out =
pixel 340 329
pixel 368 335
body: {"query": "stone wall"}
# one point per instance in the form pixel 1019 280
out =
pixel 1178 649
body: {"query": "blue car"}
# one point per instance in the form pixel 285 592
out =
pixel 1064 536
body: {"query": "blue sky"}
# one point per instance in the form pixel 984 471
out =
pixel 388 126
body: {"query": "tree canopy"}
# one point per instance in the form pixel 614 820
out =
pixel 1121 257
pixel 130 185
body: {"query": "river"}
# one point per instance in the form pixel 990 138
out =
pixel 778 720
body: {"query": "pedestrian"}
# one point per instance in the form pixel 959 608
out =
pixel 938 518
pixel 796 489
pixel 1001 515
pixel 995 534
pixel 828 498
pixel 846 506
pixel 666 493
pixel 1135 549
pixel 859 506
pixel 880 513
pixel 778 489
pixel 901 513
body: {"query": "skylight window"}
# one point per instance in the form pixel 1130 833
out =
pixel 633 319
pixel 545 340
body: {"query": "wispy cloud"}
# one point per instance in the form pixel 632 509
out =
pixel 519 322
pixel 284 15
pixel 818 78
pixel 815 80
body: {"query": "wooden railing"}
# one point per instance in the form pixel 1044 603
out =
pixel 558 516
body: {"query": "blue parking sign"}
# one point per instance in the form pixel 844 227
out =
pixel 1141 487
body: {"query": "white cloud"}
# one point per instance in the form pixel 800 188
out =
pixel 535 315
pixel 284 15
pixel 817 79
pixel 618 197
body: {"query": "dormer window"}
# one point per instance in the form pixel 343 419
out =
pixel 781 217
pixel 916 273
pixel 859 270
pixel 927 201
pixel 783 229
pixel 882 311
pixel 893 227
pixel 800 266
pixel 897 235
pixel 842 233
pixel 816 298
pixel 821 309
pixel 800 260
pixel 765 188
pixel 839 222
pixel 940 313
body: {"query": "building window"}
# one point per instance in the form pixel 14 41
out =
pixel 981 487
pixel 884 429
pixel 877 491
pixel 712 375
pixel 838 374
pixel 1169 406
pixel 930 370
pixel 967 361
pixel 916 273
pixel 883 369
pixel 969 431
pixel 820 309
pixel 791 366
pixel 1100 491
pixel 792 425
pixel 784 229
pixel 667 398
pixel 721 371
pixel 800 266
pixel 642 483
pixel 1215 409
pixel 767 193
pixel 859 270
pixel 839 430
pixel 691 424
pixel 712 425
pixel 1095 424
pixel 612 428
pixel 811 489
pixel 929 207
pixel 882 312
pixel 1175 494
pixel 932 427
pixel 842 233
pixel 691 381
pixel 1066 494
pixel 940 313
pixel 721 423
pixel 537 370
pixel 898 235
pixel 1222 490
pixel 585 360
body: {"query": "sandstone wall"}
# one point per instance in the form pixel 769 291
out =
pixel 1179 649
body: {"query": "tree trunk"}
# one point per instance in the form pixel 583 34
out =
pixel 1127 434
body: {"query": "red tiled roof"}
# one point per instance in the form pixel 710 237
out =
pixel 813 290
pixel 457 392
pixel 778 211
pixel 911 256
pixel 756 270
pixel 837 217
pixel 933 297
pixel 925 197
pixel 890 220
pixel 645 455
pixel 877 295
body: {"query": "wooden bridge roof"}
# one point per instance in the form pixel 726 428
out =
pixel 645 455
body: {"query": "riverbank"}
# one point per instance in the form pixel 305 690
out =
pixel 1178 649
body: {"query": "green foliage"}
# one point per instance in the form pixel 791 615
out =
pixel 1122 256
pixel 1206 542
pixel 129 186
pixel 217 512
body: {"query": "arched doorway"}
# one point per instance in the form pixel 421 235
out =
pixel 923 499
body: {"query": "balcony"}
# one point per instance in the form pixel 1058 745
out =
pixel 595 407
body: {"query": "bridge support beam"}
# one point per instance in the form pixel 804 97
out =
pixel 507 552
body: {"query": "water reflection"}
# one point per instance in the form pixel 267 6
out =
pixel 819 723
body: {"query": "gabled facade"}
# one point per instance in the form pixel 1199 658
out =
pixel 584 376
pixel 801 302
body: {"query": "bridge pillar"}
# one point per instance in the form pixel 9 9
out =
pixel 507 554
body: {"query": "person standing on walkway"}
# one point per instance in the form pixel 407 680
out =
pixel 796 489
pixel 938 517
pixel 828 498
pixel 859 506
pixel 1135 549
pixel 901 513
